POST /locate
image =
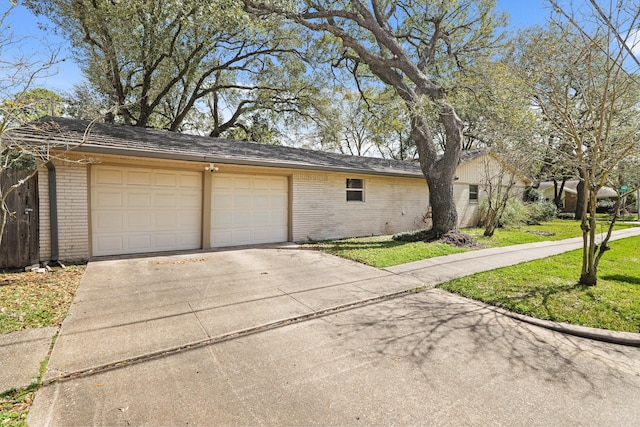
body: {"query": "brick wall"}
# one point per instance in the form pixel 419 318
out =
pixel 73 222
pixel 320 210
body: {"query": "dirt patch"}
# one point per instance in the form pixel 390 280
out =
pixel 458 239
pixel 35 300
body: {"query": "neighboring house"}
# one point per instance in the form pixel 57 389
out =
pixel 131 190
pixel 475 170
pixel 569 196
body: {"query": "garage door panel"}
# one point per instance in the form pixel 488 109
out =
pixel 242 202
pixel 242 183
pixel 221 238
pixel 165 179
pixel 190 221
pixel 136 210
pixel 139 221
pixel 107 176
pixel 241 237
pixel 221 201
pixel 261 201
pixel 136 199
pixel 109 244
pixel 138 178
pixel 109 222
pixel 189 240
pixel 139 243
pixel 108 199
pixel 190 200
pixel 242 219
pixel 279 184
pixel 222 183
pixel 262 218
pixel 248 209
pixel 262 235
pixel 222 220
pixel 165 200
pixel 278 201
pixel 190 181
pixel 278 218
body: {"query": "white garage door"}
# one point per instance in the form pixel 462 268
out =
pixel 248 209
pixel 135 210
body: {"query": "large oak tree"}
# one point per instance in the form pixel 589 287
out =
pixel 171 64
pixel 417 48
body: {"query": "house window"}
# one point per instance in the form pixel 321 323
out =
pixel 473 193
pixel 355 190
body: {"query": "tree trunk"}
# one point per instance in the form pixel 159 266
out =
pixel 443 207
pixel 439 171
pixel 589 275
pixel 589 279
pixel 492 223
pixel 580 200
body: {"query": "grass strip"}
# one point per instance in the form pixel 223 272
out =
pixel 548 289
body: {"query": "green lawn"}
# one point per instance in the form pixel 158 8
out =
pixel 548 289
pixel 383 251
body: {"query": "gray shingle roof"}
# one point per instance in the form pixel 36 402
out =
pixel 64 133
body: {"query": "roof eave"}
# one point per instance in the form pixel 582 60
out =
pixel 98 149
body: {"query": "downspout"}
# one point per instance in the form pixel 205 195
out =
pixel 53 211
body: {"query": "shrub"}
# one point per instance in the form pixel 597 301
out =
pixel 515 214
pixel 533 195
pixel 518 213
pixel 541 212
pixel 604 206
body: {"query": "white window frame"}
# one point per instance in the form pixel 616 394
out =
pixel 354 190
pixel 476 192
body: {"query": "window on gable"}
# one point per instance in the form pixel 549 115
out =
pixel 473 193
pixel 355 190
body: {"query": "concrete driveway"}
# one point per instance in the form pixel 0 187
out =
pixel 150 341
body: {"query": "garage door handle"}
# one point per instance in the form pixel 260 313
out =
pixel 27 211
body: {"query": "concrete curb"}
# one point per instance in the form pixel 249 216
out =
pixel 612 337
pixel 629 339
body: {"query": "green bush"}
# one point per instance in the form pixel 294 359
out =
pixel 605 206
pixel 515 214
pixel 518 213
pixel 540 212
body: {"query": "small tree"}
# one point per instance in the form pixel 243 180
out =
pixel 18 102
pixel 498 181
pixel 582 77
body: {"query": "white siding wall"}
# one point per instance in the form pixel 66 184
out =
pixel 468 214
pixel 320 210
pixel 476 172
pixel 73 222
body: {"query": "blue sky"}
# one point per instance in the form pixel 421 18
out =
pixel 522 13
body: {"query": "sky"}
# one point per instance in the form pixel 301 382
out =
pixel 522 13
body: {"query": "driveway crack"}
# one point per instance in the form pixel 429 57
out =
pixel 297 300
pixel 195 313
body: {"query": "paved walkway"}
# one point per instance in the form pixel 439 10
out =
pixel 350 288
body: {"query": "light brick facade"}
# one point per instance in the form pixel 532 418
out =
pixel 320 209
pixel 73 219
pixel 318 206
